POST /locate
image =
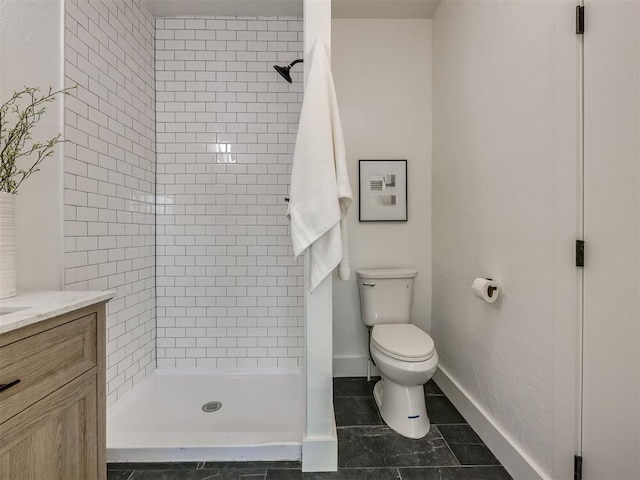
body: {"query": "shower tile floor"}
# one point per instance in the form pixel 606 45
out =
pixel 367 448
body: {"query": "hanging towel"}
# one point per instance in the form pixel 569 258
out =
pixel 320 194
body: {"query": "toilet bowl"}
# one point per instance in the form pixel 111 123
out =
pixel 407 359
pixel 404 354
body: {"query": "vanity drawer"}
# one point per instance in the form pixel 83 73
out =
pixel 44 362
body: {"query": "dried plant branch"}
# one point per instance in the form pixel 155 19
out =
pixel 14 140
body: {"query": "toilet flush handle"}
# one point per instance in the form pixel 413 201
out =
pixel 369 284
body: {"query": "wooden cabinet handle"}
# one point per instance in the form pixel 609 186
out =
pixel 7 386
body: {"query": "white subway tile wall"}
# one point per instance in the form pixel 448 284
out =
pixel 109 182
pixel 229 292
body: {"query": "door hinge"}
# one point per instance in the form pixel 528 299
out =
pixel 579 253
pixel 577 467
pixel 579 19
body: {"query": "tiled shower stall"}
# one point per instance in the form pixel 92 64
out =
pixel 229 290
pixel 180 140
pixel 110 176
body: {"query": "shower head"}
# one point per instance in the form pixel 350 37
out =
pixel 284 71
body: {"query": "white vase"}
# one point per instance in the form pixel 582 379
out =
pixel 8 270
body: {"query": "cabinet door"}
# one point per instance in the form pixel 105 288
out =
pixel 611 387
pixel 55 438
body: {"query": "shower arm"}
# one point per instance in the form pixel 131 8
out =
pixel 298 60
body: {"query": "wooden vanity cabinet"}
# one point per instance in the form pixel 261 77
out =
pixel 52 422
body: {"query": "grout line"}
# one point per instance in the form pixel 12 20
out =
pixel 449 448
pixel 452 423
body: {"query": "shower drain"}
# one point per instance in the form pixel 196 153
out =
pixel 211 407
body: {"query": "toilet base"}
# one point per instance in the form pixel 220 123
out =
pixel 402 408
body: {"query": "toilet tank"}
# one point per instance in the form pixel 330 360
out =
pixel 385 294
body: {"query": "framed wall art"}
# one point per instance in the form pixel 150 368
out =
pixel 383 190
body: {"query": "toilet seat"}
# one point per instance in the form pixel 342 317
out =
pixel 402 341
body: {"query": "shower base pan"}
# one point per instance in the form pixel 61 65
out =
pixel 246 417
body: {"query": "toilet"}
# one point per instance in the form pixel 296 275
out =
pixel 404 354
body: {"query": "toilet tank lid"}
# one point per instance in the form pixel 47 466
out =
pixel 387 272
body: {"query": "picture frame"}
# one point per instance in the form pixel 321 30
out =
pixel 383 191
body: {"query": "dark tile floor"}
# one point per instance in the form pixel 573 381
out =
pixel 367 448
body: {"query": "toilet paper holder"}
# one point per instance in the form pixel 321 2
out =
pixel 485 289
pixel 491 288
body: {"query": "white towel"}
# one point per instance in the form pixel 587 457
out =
pixel 320 193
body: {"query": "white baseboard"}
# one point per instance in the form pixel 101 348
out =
pixel 256 453
pixel 514 460
pixel 352 367
pixel 320 454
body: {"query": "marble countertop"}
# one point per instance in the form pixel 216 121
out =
pixel 33 307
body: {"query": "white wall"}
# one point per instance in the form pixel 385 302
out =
pixel 382 73
pixel 31 49
pixel 109 176
pixel 320 438
pixel 504 206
